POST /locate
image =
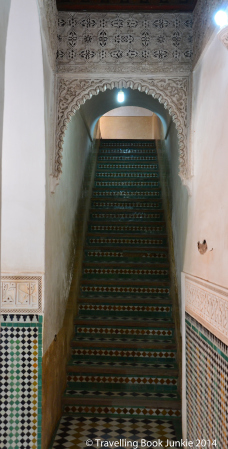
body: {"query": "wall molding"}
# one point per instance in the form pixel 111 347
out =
pixel 172 92
pixel 208 304
pixel 21 294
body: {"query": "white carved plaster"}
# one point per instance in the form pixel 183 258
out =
pixel 122 43
pixel 223 36
pixel 21 294
pixel 171 92
pixel 208 304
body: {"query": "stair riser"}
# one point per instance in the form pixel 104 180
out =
pixel 128 332
pixel 108 228
pixel 110 277
pixel 139 242
pixel 125 175
pixel 155 413
pixel 102 257
pixel 121 355
pixel 120 384
pixel 122 292
pixel 123 216
pixel 125 194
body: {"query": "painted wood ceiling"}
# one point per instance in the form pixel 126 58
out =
pixel 126 5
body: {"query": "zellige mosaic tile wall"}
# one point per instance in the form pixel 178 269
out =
pixel 207 385
pixel 21 388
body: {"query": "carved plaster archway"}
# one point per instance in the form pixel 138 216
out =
pixel 172 92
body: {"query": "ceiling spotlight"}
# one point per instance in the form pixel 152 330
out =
pixel 120 96
pixel 221 18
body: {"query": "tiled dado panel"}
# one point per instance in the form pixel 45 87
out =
pixel 207 385
pixel 20 376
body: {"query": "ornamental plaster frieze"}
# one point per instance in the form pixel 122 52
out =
pixel 208 304
pixel 21 294
pixel 121 43
pixel 171 92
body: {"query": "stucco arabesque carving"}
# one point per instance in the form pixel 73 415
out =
pixel 171 92
pixel 208 304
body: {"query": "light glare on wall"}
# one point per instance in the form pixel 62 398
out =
pixel 221 18
pixel 120 96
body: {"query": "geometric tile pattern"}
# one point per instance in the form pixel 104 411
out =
pixel 122 241
pixel 122 331
pixel 123 290
pixel 20 371
pixel 126 184
pixel 123 365
pixel 125 193
pixel 112 410
pixel 74 431
pixel 126 228
pixel 124 271
pixel 123 379
pixel 125 166
pixel 207 381
pixel 127 158
pixel 124 353
pixel 123 308
pixel 126 394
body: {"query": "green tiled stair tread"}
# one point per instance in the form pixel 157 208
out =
pixel 123 356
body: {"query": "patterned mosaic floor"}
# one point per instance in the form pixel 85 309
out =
pixel 74 432
pixel 122 379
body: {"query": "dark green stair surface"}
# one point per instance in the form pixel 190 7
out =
pixel 123 364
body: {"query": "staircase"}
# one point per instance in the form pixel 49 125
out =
pixel 122 379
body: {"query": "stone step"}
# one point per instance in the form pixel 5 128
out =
pixel 145 227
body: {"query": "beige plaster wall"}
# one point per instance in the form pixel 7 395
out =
pixel 208 210
pixel 204 213
pixel 128 127
pixel 23 156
